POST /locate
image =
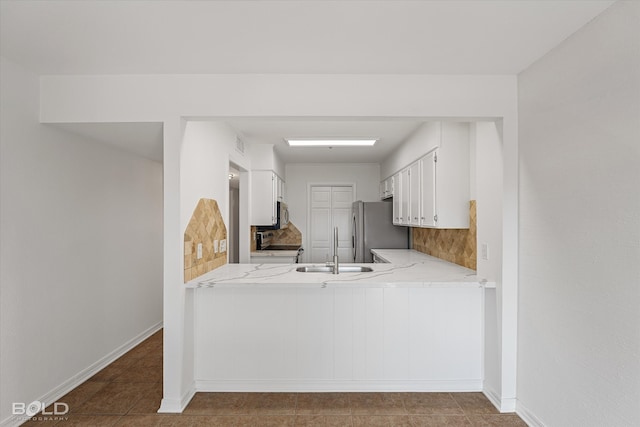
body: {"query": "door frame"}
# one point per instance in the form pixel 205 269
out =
pixel 306 240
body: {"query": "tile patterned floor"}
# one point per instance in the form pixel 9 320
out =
pixel 127 393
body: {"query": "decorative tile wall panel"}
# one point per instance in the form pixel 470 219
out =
pixel 454 245
pixel 205 226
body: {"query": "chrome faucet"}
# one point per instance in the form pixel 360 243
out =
pixel 335 264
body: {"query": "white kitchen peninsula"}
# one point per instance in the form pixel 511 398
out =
pixel 403 327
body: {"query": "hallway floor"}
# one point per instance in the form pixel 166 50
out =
pixel 127 393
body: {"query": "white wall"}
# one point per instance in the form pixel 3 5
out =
pixel 81 249
pixel 579 316
pixel 366 177
pixel 168 98
pixel 419 143
pixel 488 172
pixel 207 147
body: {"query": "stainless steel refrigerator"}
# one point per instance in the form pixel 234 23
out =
pixel 372 228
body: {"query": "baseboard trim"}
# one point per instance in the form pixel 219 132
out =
pixel 278 385
pixel 176 406
pixel 527 416
pixel 85 374
pixel 503 405
pixel 493 397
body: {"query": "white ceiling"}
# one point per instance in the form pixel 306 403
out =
pixel 288 36
pixel 389 133
pixel 264 36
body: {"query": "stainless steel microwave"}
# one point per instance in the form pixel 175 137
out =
pixel 282 218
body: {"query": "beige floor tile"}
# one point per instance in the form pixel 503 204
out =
pixel 439 420
pixel 497 420
pixel 431 404
pixel 323 404
pixel 377 404
pixel 157 420
pixel 217 404
pixel 79 395
pixel 137 374
pixel 265 421
pixel 90 420
pixel 323 421
pixel 381 421
pixel 474 403
pixel 271 404
pixel 115 398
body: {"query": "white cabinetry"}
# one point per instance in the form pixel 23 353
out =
pixel 428 200
pixel 397 211
pixel 404 196
pixel 413 215
pixel 264 197
pixel 434 190
pixel 386 188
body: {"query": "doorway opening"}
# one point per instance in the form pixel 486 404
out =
pixel 234 214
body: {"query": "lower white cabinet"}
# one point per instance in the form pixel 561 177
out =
pixel 304 338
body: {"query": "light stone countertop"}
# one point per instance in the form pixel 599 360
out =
pixel 427 272
pixel 267 252
pixel 404 256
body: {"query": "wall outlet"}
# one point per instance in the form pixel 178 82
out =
pixel 199 251
pixel 223 245
pixel 485 251
pixel 215 246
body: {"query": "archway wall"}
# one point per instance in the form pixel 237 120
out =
pixel 174 98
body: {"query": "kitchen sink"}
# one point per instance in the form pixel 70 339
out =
pixel 329 269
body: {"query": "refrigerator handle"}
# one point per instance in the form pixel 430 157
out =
pixel 354 237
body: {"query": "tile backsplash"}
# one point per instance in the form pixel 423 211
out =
pixel 205 226
pixel 453 245
pixel 286 236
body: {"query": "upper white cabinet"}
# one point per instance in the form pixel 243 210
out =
pixel 404 196
pixel 397 206
pixel 428 190
pixel 435 188
pixel 386 188
pixel 265 191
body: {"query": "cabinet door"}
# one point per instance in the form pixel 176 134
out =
pixel 397 194
pixel 414 194
pixel 263 198
pixel 428 215
pixel 404 196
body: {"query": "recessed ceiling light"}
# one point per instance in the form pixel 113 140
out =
pixel 331 142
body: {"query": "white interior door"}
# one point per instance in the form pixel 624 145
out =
pixel 330 207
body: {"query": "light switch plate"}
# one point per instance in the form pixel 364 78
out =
pixel 485 251
pixel 215 246
pixel 199 251
pixel 223 245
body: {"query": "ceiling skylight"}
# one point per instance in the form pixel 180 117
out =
pixel 331 142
